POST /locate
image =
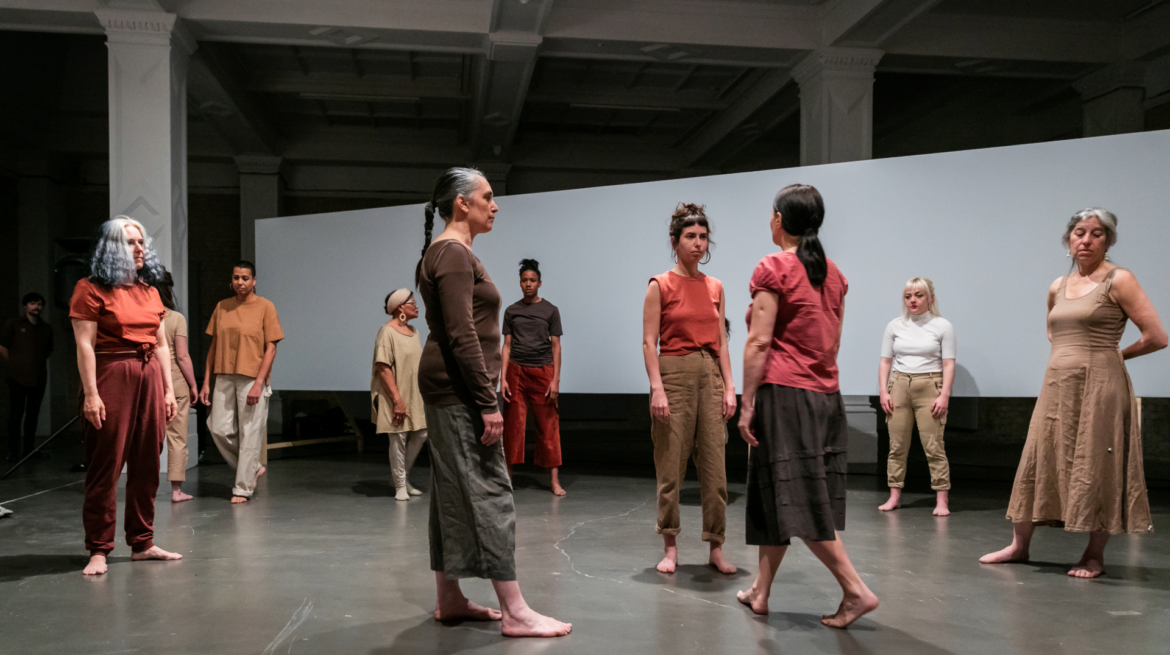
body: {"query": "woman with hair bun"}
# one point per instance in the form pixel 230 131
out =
pixel 919 348
pixel 128 398
pixel 1081 468
pixel 692 393
pixel 532 374
pixel 792 414
pixel 473 517
pixel 396 404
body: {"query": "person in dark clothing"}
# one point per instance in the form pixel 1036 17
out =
pixel 25 345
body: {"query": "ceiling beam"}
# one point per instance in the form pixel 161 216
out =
pixel 371 86
pixel 762 90
pixel 216 85
pixel 869 22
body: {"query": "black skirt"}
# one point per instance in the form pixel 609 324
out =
pixel 796 476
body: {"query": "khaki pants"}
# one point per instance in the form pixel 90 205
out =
pixel 404 449
pixel 912 396
pixel 177 433
pixel 238 428
pixel 694 389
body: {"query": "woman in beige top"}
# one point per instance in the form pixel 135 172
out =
pixel 183 377
pixel 397 405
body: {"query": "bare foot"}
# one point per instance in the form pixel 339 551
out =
pixel 178 496
pixel 753 599
pixel 558 490
pixel 851 609
pixel 1087 568
pixel 462 609
pixel 96 566
pixel 260 472
pixel 1006 556
pixel 894 502
pixel 236 500
pixel 531 624
pixel 942 503
pixel 717 560
pixel 154 552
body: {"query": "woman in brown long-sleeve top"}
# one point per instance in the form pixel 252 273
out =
pixel 472 526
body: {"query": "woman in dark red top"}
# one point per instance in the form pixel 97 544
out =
pixel 792 414
pixel 692 394
pixel 128 399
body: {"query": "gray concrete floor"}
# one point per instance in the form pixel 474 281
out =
pixel 324 560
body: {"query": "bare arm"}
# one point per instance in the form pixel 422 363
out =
pixel 386 377
pixel 885 365
pixel 765 306
pixel 85 333
pixel 163 352
pixel 941 405
pixel 1052 303
pixel 651 324
pixel 186 367
pixel 554 388
pixel 725 365
pixel 505 357
pixel 1136 304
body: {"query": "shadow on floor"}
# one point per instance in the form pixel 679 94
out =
pixel 878 638
pixel 19 567
pixel 958 504
pixel 1114 573
pixel 696 577
pixel 374 488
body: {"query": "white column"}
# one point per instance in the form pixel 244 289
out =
pixel 1112 99
pixel 836 104
pixel 260 197
pixel 148 55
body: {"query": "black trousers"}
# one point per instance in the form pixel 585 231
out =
pixel 23 402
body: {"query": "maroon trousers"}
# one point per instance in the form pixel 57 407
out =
pixel 528 386
pixel 133 391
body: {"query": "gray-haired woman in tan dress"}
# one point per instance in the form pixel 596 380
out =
pixel 1082 464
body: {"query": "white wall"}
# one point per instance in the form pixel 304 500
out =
pixel 985 225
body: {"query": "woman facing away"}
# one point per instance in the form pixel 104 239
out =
pixel 182 373
pixel 532 375
pixel 792 414
pixel 473 518
pixel 396 403
pixel 126 391
pixel 692 392
pixel 244 331
pixel 1082 463
pixel 919 348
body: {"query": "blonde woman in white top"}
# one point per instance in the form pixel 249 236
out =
pixel 397 406
pixel 915 375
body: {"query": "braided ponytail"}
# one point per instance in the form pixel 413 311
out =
pixel 428 225
pixel 454 182
pixel 802 211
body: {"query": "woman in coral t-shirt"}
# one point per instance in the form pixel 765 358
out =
pixel 692 394
pixel 792 414
pixel 128 398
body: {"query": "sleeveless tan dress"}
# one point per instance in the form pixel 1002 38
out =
pixel 1082 463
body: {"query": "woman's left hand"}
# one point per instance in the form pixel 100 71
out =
pixel 172 407
pixel 255 392
pixel 554 391
pixel 729 403
pixel 938 408
pixel 747 414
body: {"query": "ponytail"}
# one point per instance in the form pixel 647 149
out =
pixel 428 225
pixel 802 211
pixel 454 182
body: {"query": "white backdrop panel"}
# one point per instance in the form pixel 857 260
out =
pixel 985 225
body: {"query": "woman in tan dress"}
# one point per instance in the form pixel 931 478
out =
pixel 1082 464
pixel 397 405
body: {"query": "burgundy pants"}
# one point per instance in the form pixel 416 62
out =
pixel 528 386
pixel 132 389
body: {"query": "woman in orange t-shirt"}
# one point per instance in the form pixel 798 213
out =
pixel 244 330
pixel 692 394
pixel 127 394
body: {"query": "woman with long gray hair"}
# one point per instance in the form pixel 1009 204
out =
pixel 128 398
pixel 473 519
pixel 1081 468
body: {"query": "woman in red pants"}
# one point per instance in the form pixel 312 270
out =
pixel 121 352
pixel 532 375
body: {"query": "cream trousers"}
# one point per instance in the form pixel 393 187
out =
pixel 404 448
pixel 238 428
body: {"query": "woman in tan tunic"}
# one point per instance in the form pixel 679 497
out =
pixel 1082 464
pixel 183 379
pixel 397 405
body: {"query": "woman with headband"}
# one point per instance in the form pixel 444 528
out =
pixel 397 406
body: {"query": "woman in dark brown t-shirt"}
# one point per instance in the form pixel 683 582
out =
pixel 473 518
